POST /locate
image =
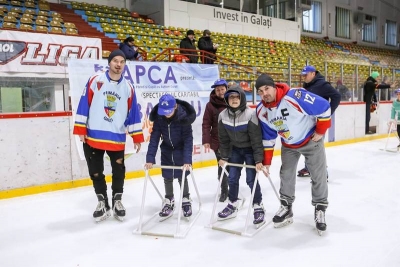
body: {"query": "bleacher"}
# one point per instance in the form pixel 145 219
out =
pixel 241 58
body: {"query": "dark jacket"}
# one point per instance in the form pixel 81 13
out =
pixel 324 89
pixel 239 127
pixel 206 44
pixel 186 43
pixel 129 51
pixel 369 89
pixel 177 138
pixel 210 121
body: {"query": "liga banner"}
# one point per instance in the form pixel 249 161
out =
pixel 188 82
pixel 25 52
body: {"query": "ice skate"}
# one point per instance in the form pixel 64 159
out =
pixel 118 209
pixel 187 207
pixel 258 215
pixel 319 217
pixel 167 209
pixel 102 211
pixel 284 216
pixel 229 212
pixel 303 173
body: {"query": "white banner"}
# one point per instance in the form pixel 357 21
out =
pixel 188 82
pixel 43 53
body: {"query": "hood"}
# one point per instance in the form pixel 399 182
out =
pixel 243 101
pixel 184 114
pixel 281 91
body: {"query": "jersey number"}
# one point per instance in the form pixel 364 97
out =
pixel 310 99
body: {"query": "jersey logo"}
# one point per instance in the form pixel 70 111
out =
pixel 99 85
pixel 282 129
pixel 110 105
pixel 297 94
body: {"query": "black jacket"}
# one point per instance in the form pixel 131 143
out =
pixel 186 43
pixel 321 87
pixel 369 89
pixel 206 44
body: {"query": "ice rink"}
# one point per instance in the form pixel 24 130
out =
pixel 57 228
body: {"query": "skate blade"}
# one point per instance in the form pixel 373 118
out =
pixel 121 219
pixel 187 218
pixel 320 232
pixel 258 225
pixel 227 218
pixel 102 218
pixel 284 223
pixel 303 176
pixel 165 218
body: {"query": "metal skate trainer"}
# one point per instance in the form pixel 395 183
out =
pixel 179 233
pixel 245 231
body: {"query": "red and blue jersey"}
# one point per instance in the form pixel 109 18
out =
pixel 107 111
pixel 295 115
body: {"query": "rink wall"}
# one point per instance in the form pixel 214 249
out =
pixel 39 152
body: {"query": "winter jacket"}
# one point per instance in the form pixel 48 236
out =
pixel 239 127
pixel 395 108
pixel 206 44
pixel 321 87
pixel 129 51
pixel 210 121
pixel 369 89
pixel 177 138
pixel 186 43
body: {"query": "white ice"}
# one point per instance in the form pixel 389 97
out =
pixel 57 228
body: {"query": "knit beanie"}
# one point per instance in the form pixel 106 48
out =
pixel 264 79
pixel 374 74
pixel 115 53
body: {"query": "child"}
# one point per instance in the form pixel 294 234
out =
pixel 396 111
pixel 173 120
pixel 240 142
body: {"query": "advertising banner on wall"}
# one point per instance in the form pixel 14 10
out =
pixel 188 82
pixel 24 52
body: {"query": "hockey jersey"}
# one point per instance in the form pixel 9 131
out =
pixel 294 116
pixel 107 111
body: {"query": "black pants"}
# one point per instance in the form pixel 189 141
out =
pixel 367 116
pixel 95 162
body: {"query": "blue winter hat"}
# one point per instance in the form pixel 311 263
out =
pixel 219 82
pixel 308 69
pixel 397 91
pixel 166 105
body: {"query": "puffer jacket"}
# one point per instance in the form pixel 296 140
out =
pixel 369 89
pixel 177 138
pixel 210 121
pixel 239 127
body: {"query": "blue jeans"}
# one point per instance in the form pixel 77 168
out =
pixel 240 156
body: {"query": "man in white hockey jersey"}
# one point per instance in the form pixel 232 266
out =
pixel 301 119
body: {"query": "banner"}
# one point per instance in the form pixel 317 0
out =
pixel 49 53
pixel 188 82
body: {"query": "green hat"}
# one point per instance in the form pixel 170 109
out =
pixel 374 74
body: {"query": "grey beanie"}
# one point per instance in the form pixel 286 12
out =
pixel 264 79
pixel 115 53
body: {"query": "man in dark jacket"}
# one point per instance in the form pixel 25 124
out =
pixel 210 127
pixel 188 43
pixel 173 120
pixel 316 83
pixel 129 49
pixel 206 44
pixel 370 97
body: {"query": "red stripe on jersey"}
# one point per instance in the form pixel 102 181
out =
pixel 295 105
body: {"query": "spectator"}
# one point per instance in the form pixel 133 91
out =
pixel 316 84
pixel 206 44
pixel 370 85
pixel 210 128
pixel 343 90
pixel 106 111
pixel 189 43
pixel 130 51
